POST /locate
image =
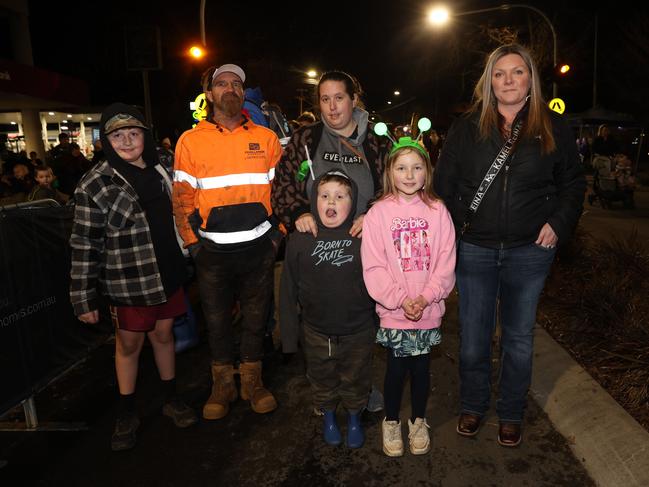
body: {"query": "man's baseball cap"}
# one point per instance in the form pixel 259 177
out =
pixel 122 120
pixel 229 68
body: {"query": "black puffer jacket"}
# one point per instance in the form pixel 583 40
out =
pixel 529 191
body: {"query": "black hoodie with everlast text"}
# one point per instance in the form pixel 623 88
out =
pixel 322 281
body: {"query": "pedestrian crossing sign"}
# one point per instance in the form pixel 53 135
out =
pixel 558 105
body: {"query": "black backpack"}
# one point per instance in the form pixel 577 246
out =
pixel 277 122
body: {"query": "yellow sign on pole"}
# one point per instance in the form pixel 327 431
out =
pixel 558 105
pixel 200 108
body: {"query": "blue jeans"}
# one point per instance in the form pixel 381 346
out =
pixel 512 280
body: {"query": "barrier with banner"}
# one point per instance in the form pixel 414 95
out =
pixel 39 335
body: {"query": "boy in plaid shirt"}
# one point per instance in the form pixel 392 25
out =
pixel 124 242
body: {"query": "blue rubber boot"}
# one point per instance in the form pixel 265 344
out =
pixel 331 431
pixel 355 435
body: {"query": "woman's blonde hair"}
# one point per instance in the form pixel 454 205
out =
pixel 538 120
pixel 427 193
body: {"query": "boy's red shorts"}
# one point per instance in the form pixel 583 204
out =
pixel 143 318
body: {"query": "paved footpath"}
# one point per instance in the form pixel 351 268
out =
pixel 281 448
pixel 285 447
pixel 611 444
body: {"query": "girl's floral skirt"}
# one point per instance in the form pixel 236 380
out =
pixel 407 343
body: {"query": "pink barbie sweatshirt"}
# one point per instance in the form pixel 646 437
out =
pixel 408 249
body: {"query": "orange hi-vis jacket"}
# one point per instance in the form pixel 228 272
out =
pixel 222 184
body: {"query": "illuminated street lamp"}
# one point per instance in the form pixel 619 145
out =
pixel 441 15
pixel 311 77
pixel 196 52
pixel 397 93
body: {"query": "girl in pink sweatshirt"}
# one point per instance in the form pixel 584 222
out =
pixel 408 254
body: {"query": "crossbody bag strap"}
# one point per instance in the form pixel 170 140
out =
pixel 491 174
pixel 353 149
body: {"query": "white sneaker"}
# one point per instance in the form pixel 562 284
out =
pixel 418 436
pixel 392 441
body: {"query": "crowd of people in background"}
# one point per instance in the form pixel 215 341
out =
pixel 612 169
pixel 22 177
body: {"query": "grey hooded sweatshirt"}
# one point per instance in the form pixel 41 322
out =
pixel 333 155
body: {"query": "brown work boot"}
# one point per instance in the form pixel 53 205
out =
pixel 252 388
pixel 224 392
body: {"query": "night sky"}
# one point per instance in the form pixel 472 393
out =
pixel 386 45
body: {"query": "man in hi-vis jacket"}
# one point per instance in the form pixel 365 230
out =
pixel 222 182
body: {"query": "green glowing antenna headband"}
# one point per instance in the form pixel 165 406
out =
pixel 424 124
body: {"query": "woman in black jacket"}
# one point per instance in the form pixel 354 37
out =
pixel 508 239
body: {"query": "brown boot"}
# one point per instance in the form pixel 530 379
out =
pixel 224 392
pixel 252 388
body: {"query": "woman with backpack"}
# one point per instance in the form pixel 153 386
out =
pixel 342 141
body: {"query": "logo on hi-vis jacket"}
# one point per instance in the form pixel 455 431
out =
pixel 332 251
pixel 255 151
pixel 344 158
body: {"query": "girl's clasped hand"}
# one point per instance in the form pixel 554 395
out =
pixel 413 309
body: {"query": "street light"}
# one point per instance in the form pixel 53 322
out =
pixel 196 52
pixel 441 15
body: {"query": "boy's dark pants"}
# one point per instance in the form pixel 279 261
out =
pixel 339 368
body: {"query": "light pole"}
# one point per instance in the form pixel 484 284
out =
pixel 441 15
pixel 202 19
pixel 311 79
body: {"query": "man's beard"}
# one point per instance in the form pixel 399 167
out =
pixel 230 105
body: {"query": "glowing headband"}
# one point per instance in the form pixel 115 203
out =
pixel 423 124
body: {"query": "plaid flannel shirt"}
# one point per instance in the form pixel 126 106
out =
pixel 111 243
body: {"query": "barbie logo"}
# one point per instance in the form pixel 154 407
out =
pixel 409 224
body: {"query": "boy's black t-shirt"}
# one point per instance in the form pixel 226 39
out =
pixel 149 185
pixel 324 275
